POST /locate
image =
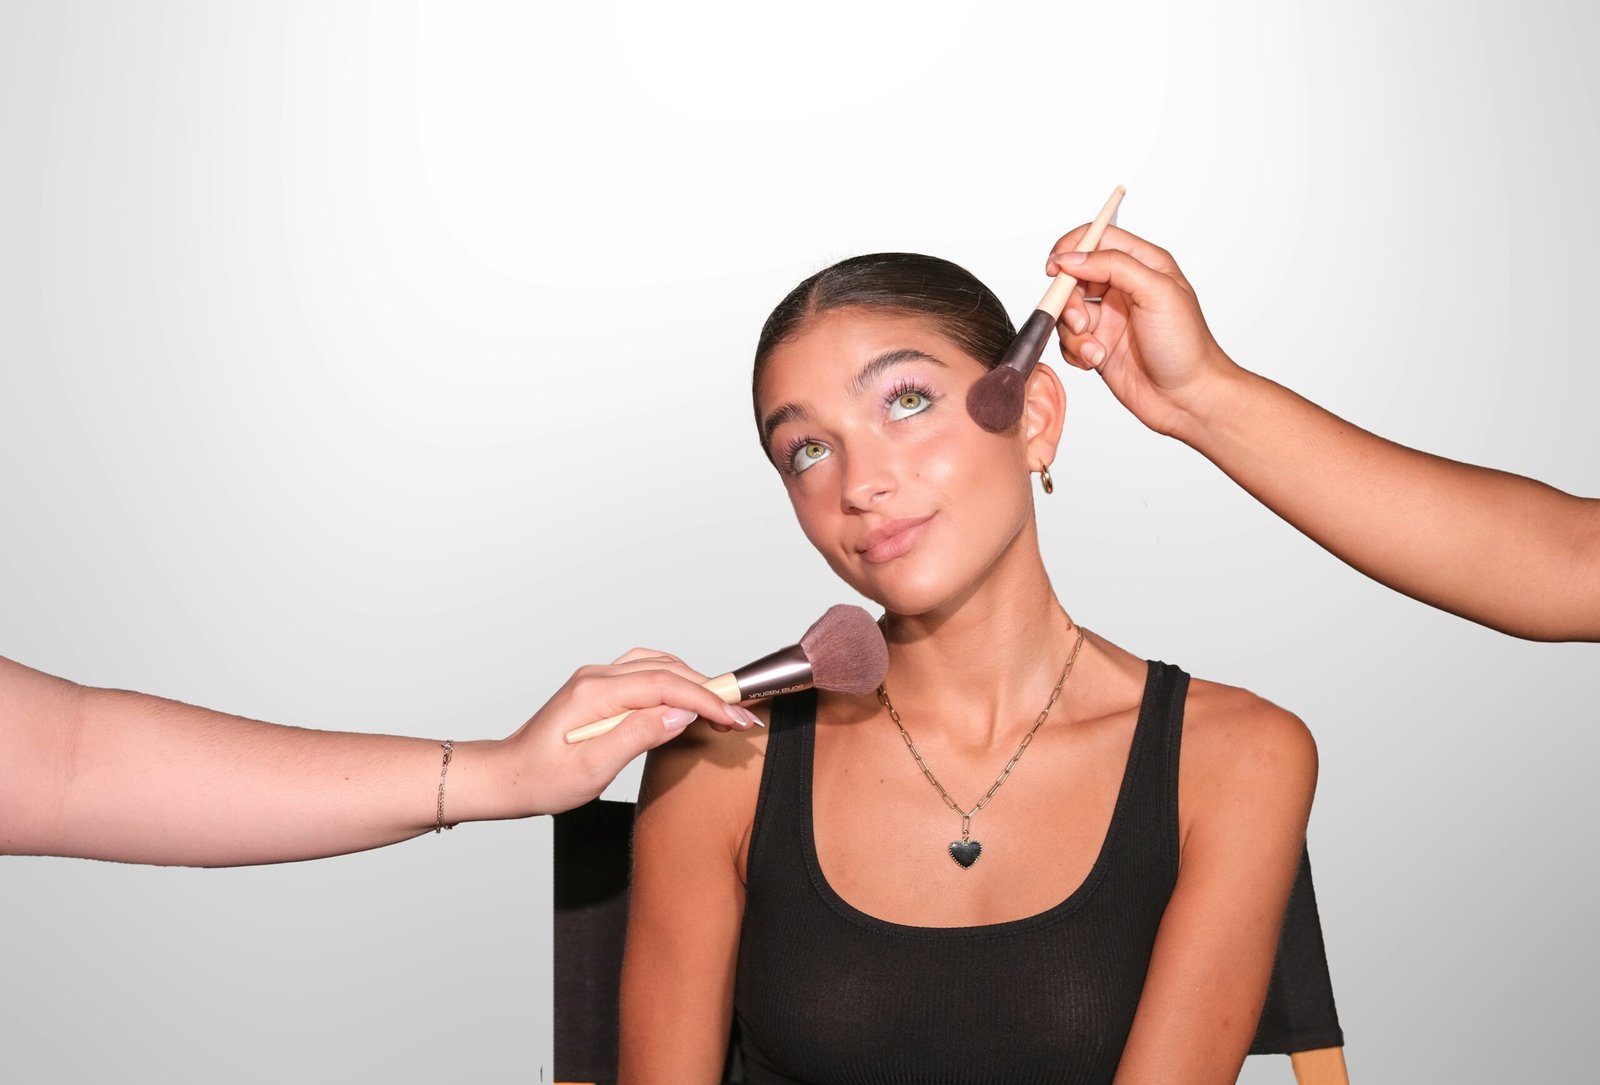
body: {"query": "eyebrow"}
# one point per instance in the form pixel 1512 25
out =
pixel 791 412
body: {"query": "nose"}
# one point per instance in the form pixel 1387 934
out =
pixel 868 479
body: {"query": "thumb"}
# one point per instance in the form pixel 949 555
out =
pixel 641 730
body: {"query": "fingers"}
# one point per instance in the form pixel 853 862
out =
pixel 1152 256
pixel 643 700
pixel 1067 242
pixel 643 659
pixel 600 759
pixel 1145 287
pixel 642 663
pixel 1079 316
pixel 1072 330
pixel 1083 351
pixel 1131 264
pixel 641 731
pixel 601 692
pixel 643 653
pixel 1090 332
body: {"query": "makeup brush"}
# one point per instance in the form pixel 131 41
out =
pixel 843 651
pixel 995 402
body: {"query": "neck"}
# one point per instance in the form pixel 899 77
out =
pixel 980 667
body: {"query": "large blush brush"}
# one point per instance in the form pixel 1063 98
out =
pixel 843 651
pixel 995 402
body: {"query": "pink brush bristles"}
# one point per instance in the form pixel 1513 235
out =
pixel 846 650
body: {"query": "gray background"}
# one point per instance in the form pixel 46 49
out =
pixel 374 366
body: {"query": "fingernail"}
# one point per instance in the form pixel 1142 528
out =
pixel 750 717
pixel 676 719
pixel 1096 354
pixel 1068 259
pixel 1075 321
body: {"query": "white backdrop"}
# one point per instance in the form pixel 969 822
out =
pixel 374 366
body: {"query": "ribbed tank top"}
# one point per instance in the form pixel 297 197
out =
pixel 828 995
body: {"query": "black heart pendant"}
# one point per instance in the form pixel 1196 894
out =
pixel 965 852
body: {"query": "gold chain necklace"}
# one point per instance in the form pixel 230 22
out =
pixel 966 850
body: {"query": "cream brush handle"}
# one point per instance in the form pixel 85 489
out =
pixel 1055 299
pixel 725 686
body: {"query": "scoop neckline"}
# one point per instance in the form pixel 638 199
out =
pixel 1052 914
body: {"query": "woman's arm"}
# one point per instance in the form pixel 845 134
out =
pixel 696 806
pixel 110 774
pixel 1246 779
pixel 1499 549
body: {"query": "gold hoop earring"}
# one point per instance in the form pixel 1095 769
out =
pixel 1045 480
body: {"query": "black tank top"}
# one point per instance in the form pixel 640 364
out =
pixel 828 995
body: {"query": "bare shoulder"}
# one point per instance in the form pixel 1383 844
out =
pixel 702 759
pixel 704 782
pixel 1236 743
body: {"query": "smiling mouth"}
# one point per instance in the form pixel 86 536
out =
pixel 901 536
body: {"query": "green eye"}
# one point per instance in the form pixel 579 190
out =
pixel 907 404
pixel 807 454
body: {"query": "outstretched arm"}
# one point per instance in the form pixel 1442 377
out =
pixel 110 774
pixel 1499 549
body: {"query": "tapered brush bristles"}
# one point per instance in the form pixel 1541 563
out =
pixel 995 402
pixel 846 650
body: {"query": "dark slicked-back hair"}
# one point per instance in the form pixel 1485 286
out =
pixel 894 282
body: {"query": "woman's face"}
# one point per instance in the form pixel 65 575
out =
pixel 908 499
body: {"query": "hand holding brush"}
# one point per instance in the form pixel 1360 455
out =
pixel 1146 337
pixel 995 401
pixel 843 651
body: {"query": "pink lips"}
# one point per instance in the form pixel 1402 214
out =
pixel 888 541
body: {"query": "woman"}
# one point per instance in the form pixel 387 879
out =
pixel 1107 913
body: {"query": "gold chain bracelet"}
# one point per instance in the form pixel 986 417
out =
pixel 448 746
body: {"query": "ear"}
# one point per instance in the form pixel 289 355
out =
pixel 1044 412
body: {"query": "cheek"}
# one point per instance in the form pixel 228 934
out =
pixel 935 452
pixel 811 510
pixel 963 462
pixel 981 484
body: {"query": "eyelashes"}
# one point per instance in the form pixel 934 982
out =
pixel 814 451
pixel 905 399
pixel 902 395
